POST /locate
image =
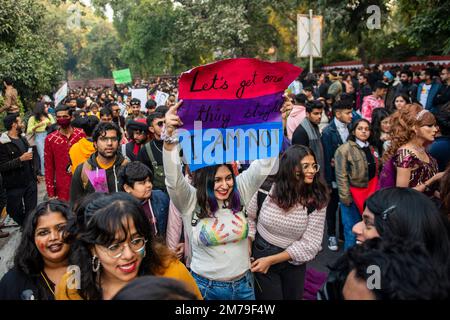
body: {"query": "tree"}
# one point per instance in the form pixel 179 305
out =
pixel 348 20
pixel 29 52
pixel 426 25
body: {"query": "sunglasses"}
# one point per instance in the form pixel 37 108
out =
pixel 160 123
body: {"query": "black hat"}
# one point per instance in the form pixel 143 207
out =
pixel 137 125
pixel 135 101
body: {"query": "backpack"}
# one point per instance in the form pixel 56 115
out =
pixel 159 178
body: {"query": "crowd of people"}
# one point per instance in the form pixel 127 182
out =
pixel 366 161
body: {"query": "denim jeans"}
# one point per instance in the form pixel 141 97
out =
pixel 239 289
pixel 40 141
pixel 350 217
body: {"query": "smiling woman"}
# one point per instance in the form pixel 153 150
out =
pixel 115 247
pixel 42 257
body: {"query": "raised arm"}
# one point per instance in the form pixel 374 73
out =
pixel 182 194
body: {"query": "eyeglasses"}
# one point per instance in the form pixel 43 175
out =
pixel 160 123
pixel 106 139
pixel 305 166
pixel 136 245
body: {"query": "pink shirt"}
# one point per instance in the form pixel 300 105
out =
pixel 369 104
pixel 298 113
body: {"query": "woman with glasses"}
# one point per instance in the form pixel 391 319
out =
pixel 356 165
pixel 289 226
pixel 114 247
pixel 43 255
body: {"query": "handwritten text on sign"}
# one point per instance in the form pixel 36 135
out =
pixel 234 94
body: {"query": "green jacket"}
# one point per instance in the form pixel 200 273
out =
pixel 351 169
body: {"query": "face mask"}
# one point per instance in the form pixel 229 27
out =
pixel 63 123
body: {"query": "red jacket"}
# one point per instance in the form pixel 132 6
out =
pixel 57 163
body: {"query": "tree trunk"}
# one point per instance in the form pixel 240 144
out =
pixel 362 52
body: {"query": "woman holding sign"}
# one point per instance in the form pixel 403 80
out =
pixel 214 215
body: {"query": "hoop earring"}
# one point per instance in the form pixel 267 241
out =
pixel 95 264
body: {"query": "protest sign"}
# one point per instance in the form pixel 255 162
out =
pixel 61 94
pixel 140 94
pixel 231 110
pixel 161 98
pixel 122 76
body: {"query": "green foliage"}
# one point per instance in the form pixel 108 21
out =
pixel 29 53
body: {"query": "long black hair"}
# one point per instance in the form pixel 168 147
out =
pixel 289 191
pixel 407 213
pixel 27 258
pixel 104 218
pixel 203 181
pixel 378 115
pixel 39 111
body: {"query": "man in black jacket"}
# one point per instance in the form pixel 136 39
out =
pixel 151 153
pixel 308 133
pixel 100 172
pixel 18 168
pixel 443 95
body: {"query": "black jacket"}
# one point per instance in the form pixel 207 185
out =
pixel 2 195
pixel 442 97
pixel 77 191
pixel 16 285
pixel 331 140
pixel 11 168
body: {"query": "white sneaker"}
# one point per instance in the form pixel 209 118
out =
pixel 332 244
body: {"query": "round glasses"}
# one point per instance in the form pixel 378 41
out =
pixel 136 245
pixel 305 166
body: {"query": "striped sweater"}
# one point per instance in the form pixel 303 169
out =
pixel 294 230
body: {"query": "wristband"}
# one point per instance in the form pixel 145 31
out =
pixel 168 139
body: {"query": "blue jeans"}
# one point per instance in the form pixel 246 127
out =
pixel 350 217
pixel 40 141
pixel 239 289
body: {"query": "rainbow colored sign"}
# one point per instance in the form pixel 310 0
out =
pixel 231 110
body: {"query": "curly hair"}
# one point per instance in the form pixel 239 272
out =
pixel 402 123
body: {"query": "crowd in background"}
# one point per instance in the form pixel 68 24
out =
pixel 366 160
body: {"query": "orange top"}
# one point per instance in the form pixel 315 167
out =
pixel 176 270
